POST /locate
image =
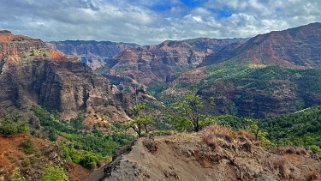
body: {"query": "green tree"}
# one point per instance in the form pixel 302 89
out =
pixel 260 135
pixel 141 120
pixel 187 113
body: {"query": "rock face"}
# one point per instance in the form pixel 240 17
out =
pixel 95 54
pixel 145 64
pixel 293 48
pixel 215 154
pixel 32 73
pixel 162 63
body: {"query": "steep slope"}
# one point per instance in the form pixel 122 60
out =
pixel 251 91
pixel 293 48
pixel 95 54
pixel 161 63
pixel 215 154
pixel 31 72
pixel 32 165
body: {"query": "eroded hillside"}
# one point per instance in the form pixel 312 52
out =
pixel 217 153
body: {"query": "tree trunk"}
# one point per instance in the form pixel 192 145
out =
pixel 196 127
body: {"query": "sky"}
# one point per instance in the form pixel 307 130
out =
pixel 153 21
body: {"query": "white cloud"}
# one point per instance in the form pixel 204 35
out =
pixel 139 21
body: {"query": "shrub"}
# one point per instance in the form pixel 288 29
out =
pixel 23 128
pixel 8 128
pixel 27 146
pixel 89 161
pixel 54 173
pixel 315 149
pixel 52 135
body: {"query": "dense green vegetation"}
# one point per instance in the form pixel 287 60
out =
pixel 85 148
pixel 156 88
pixel 302 128
pixel 263 78
pixel 10 125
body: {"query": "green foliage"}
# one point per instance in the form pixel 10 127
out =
pixel 180 123
pixel 8 128
pixel 54 173
pixel 89 161
pixel 187 113
pixel 48 120
pixel 79 146
pixel 141 120
pixel 233 122
pixel 15 176
pixel 88 149
pixel 78 121
pixel 156 88
pixel 70 154
pixel 271 81
pixel 52 135
pixel 27 146
pixel 302 128
pixel 23 128
pixel 10 125
pixel 315 149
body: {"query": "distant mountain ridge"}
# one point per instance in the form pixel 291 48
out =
pixel 93 53
pixel 292 48
pixel 148 64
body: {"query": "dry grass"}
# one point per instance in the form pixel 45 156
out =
pixel 288 150
pixel 281 166
pixel 243 134
pixel 313 176
pixel 211 134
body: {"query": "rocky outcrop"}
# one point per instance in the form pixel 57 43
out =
pixel 32 73
pixel 216 153
pixel 95 54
